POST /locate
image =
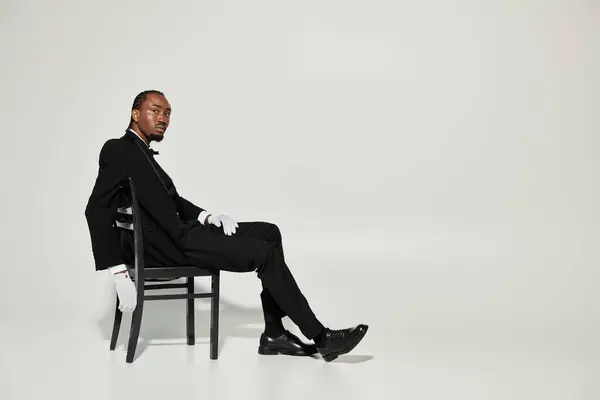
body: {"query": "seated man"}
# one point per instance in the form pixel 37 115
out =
pixel 177 232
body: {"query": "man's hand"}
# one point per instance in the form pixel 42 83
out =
pixel 126 291
pixel 229 225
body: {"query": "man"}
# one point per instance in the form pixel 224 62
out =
pixel 177 232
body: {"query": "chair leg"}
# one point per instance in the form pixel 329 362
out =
pixel 136 323
pixel 214 317
pixel 190 321
pixel 116 326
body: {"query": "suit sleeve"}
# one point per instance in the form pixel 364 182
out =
pixel 101 209
pixel 187 209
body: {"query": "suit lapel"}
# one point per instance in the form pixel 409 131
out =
pixel 145 152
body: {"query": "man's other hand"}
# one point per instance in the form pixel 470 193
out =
pixel 126 292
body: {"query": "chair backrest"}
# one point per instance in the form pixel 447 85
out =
pixel 129 212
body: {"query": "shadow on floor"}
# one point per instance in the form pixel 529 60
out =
pixel 165 319
pixel 352 359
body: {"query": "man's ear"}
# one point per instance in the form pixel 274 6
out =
pixel 135 115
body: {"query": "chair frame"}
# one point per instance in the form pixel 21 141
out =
pixel 144 275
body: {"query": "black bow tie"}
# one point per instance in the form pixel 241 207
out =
pixel 153 152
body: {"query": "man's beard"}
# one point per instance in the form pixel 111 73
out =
pixel 155 137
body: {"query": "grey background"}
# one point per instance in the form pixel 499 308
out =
pixel 452 145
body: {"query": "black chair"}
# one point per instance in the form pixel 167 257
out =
pixel 130 219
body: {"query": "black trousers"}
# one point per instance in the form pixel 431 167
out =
pixel 255 246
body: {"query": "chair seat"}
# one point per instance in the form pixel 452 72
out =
pixel 172 273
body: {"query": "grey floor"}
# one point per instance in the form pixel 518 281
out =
pixel 437 331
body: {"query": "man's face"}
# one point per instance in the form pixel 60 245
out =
pixel 153 117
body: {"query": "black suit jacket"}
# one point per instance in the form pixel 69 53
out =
pixel 166 216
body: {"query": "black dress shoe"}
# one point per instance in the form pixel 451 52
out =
pixel 338 342
pixel 288 344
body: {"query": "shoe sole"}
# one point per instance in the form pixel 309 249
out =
pixel 266 352
pixel 332 356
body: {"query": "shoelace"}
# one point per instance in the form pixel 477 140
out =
pixel 337 333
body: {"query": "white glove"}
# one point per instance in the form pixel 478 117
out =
pixel 229 225
pixel 126 291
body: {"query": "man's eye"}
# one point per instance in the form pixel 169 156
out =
pixel 155 111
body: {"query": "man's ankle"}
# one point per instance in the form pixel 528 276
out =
pixel 320 338
pixel 274 329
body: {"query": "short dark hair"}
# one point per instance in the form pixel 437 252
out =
pixel 139 99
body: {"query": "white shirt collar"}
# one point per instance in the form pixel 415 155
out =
pixel 136 134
